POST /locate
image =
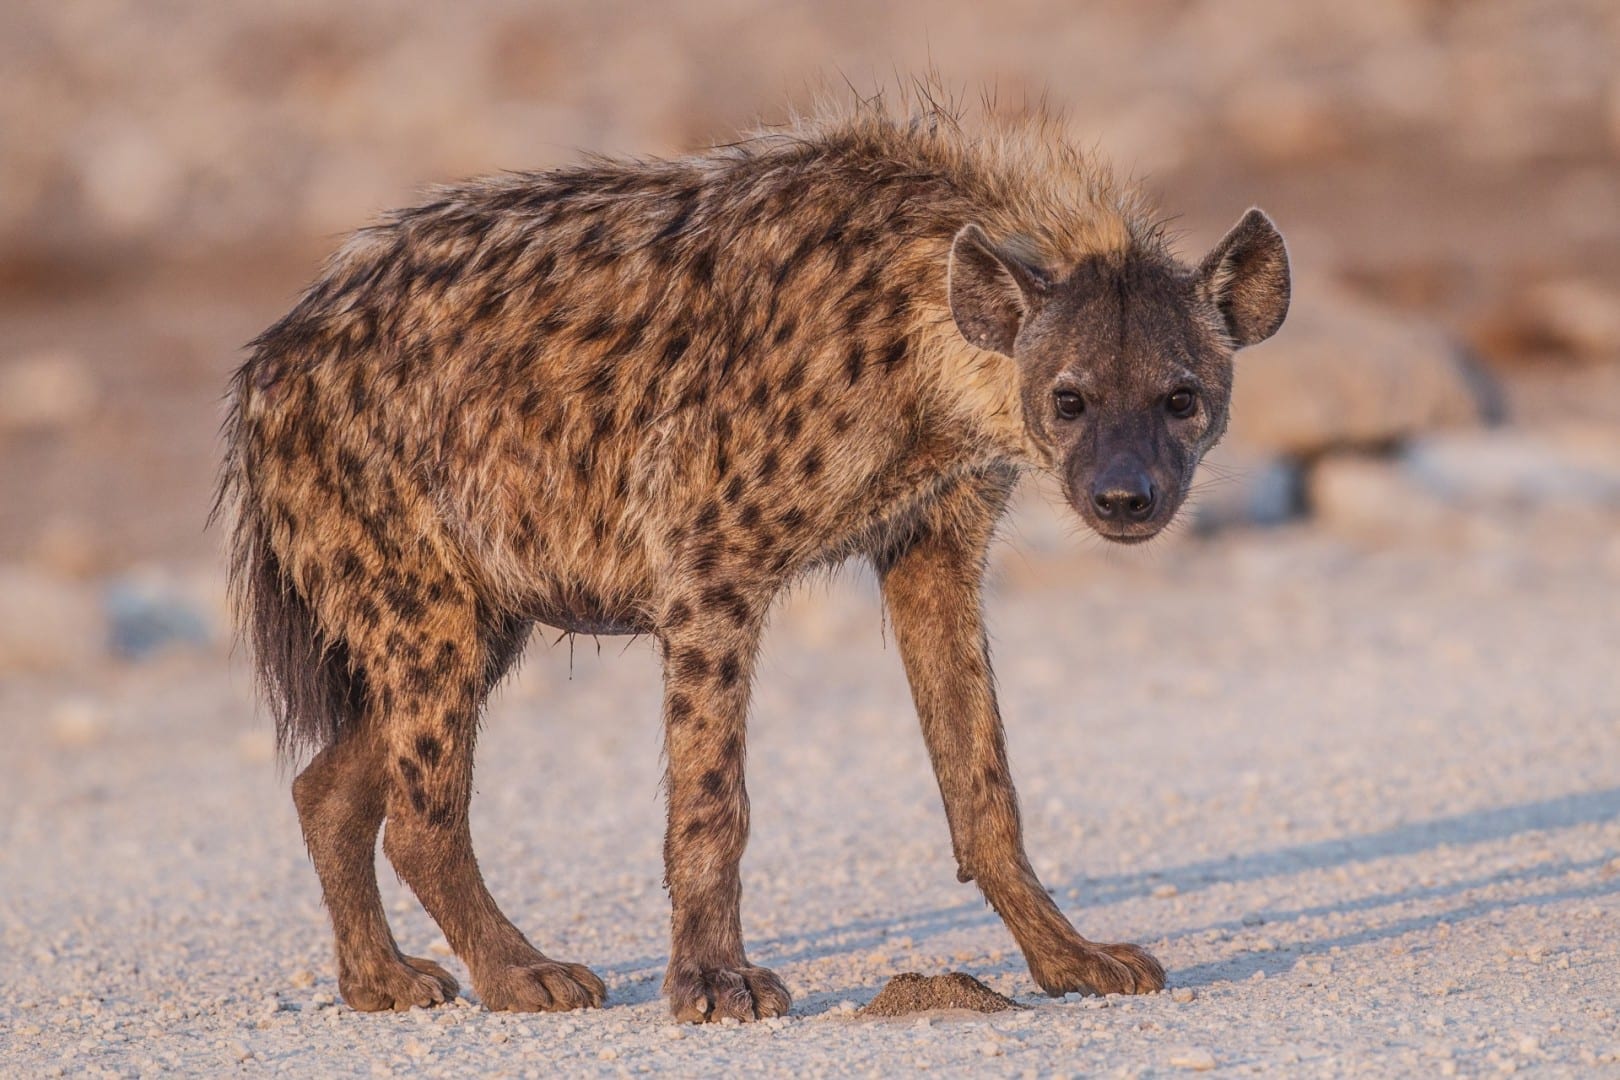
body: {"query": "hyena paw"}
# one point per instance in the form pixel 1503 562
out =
pixel 1091 968
pixel 539 985
pixel 698 995
pixel 399 984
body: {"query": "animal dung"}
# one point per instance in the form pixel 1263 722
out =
pixel 911 992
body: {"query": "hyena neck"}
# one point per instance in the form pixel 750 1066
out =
pixel 976 395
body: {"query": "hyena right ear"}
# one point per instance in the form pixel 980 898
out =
pixel 992 292
pixel 1247 277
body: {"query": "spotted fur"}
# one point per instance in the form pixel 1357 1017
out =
pixel 642 397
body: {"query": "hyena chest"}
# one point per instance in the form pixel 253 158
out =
pixel 579 609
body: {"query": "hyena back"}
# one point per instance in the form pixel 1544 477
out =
pixel 641 397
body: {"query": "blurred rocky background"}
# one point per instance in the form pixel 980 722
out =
pixel 1447 172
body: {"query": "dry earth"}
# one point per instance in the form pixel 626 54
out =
pixel 1363 801
pixel 1354 779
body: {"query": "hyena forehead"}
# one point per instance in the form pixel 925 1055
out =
pixel 1126 329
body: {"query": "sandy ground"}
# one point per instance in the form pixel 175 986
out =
pixel 1363 803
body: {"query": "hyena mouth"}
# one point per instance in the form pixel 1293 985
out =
pixel 1141 536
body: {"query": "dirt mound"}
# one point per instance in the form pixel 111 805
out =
pixel 913 993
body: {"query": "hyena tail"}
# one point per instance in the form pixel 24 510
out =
pixel 307 677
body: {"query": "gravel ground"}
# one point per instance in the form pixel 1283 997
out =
pixel 1363 802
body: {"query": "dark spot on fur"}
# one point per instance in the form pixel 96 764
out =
pixel 676 348
pixel 446 657
pixel 691 663
pixel 679 612
pixel 677 221
pixel 768 465
pixel 702 267
pixel 714 783
pixel 734 489
pixel 722 444
pixel 428 749
pixel 810 467
pixel 605 424
pixel 680 708
pixel 730 670
pixel 728 598
pixel 794 259
pixel 410 771
pixel 349 565
pixel 706 560
pixel 442 817
pixel 794 377
pixel 401 596
pixel 365 608
pixel 597 328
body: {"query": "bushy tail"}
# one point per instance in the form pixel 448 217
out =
pixel 308 678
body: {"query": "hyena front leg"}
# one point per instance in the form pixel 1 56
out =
pixel 340 800
pixel 435 684
pixel 932 591
pixel 709 644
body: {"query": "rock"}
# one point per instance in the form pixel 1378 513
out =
pixel 46 623
pixel 914 993
pixel 1183 995
pixel 1504 470
pixel 78 723
pixel 45 391
pixel 1346 374
pixel 1574 318
pixel 1234 489
pixel 1192 1058
pixel 146 615
pixel 1371 496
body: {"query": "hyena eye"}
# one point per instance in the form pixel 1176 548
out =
pixel 1069 404
pixel 1182 403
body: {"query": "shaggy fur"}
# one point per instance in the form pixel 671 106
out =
pixel 642 397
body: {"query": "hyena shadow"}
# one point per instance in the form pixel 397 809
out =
pixel 1412 839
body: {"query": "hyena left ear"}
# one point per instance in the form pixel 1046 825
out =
pixel 1246 276
pixel 992 292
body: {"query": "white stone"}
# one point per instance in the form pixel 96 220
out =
pixel 1344 373
pixel 1194 1059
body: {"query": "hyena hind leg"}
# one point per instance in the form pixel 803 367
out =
pixel 436 685
pixel 340 800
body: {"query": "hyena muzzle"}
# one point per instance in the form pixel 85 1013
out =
pixel 642 397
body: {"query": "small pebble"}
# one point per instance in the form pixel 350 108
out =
pixel 1193 1059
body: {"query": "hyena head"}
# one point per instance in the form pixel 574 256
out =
pixel 1126 361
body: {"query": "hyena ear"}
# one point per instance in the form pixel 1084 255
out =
pixel 1246 276
pixel 992 292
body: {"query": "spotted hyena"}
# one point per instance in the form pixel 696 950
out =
pixel 641 397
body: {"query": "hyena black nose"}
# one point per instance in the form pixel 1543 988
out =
pixel 1125 495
